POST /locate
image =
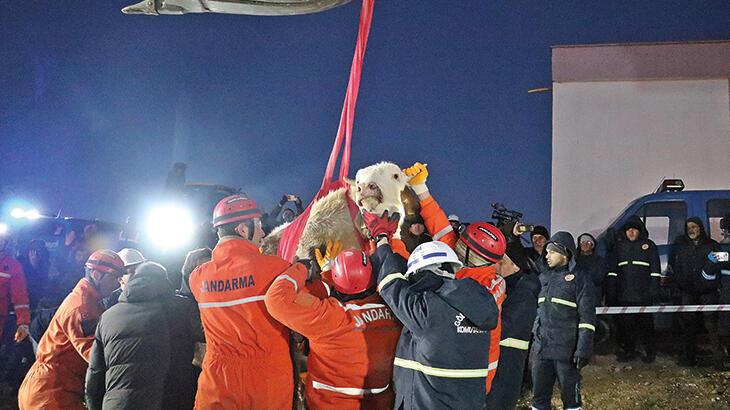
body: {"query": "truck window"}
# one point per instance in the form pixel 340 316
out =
pixel 663 220
pixel 716 210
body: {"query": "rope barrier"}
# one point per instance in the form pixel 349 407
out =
pixel 622 310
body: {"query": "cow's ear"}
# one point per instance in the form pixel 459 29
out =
pixel 350 182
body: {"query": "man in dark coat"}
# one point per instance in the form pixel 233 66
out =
pixel 518 316
pixel 539 237
pixel 688 261
pixel 591 264
pixel 566 322
pixel 633 280
pixel 130 357
pixel 442 355
pixel 720 269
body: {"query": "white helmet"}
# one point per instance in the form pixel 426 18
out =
pixel 433 253
pixel 131 257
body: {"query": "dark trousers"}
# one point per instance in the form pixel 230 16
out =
pixel 507 382
pixel 632 328
pixel 544 374
pixel 692 322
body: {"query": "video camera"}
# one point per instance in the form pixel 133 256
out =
pixel 510 217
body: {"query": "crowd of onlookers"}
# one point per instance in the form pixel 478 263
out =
pixel 625 273
pixel 52 266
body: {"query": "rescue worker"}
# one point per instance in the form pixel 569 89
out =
pixel 247 363
pixel 721 270
pixel 517 318
pixel 131 258
pixel 442 355
pixel 688 259
pixel 13 290
pixel 56 379
pixel 480 248
pixel 633 280
pixel 352 334
pixel 566 320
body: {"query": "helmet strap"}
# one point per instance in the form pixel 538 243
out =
pixel 344 297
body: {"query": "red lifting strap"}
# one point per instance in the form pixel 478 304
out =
pixel 290 237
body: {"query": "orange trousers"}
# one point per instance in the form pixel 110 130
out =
pixel 44 388
pixel 228 383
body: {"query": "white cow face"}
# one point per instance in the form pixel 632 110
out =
pixel 378 188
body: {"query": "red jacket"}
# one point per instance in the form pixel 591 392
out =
pixel 352 344
pixel 13 291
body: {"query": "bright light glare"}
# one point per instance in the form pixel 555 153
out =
pixel 170 227
pixel 3 229
pixel 31 214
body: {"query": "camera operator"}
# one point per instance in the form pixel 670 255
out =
pixel 509 223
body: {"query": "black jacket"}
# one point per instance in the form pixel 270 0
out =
pixel 633 269
pixel 721 272
pixel 593 266
pixel 186 329
pixel 689 260
pixel 566 316
pixel 518 316
pixel 442 355
pixel 131 352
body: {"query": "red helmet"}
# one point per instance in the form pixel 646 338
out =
pixel 486 240
pixel 106 261
pixel 234 208
pixel 352 272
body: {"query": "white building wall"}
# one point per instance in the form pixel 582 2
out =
pixel 614 141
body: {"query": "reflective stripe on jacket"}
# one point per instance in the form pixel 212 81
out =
pixel 566 315
pixel 442 355
pixel 242 337
pixel 352 344
pixel 634 271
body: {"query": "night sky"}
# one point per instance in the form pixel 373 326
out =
pixel 95 106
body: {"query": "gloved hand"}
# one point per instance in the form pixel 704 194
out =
pixel 418 174
pixel 283 200
pixel 307 264
pixel 22 332
pixel 381 226
pixel 332 250
pixel 580 362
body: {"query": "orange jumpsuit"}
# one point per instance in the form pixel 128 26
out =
pixel 247 364
pixel 437 224
pixel 56 380
pixel 13 290
pixel 352 344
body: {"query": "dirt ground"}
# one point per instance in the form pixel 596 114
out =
pixel 609 385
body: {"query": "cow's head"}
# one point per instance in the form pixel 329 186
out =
pixel 378 188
